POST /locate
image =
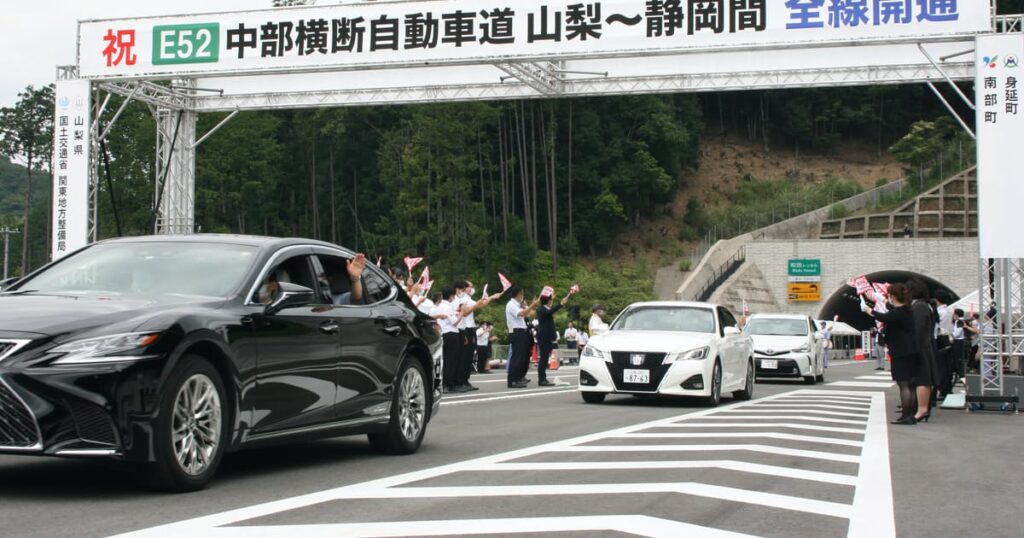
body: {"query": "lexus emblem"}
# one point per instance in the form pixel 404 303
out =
pixel 637 359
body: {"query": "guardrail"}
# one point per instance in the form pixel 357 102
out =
pixel 720 275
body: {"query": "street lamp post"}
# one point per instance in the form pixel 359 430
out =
pixel 7 234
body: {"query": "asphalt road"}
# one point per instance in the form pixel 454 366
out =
pixel 795 461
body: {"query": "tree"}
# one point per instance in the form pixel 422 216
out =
pixel 26 135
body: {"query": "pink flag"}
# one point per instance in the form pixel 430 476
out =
pixel 548 291
pixel 425 277
pixel 862 285
pixel 411 263
pixel 379 258
pixel 505 282
pixel 836 318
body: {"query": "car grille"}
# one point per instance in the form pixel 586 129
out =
pixel 17 425
pixel 652 361
pixel 771 353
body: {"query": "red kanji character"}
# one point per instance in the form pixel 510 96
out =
pixel 119 47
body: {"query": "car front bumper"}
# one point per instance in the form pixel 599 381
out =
pixel 789 365
pixel 681 378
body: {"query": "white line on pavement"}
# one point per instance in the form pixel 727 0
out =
pixel 787 417
pixel 764 449
pixel 508 396
pixel 742 435
pixel 809 427
pixel 758 409
pixel 864 384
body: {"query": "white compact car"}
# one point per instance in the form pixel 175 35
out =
pixel 669 348
pixel 786 345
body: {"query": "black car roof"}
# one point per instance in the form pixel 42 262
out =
pixel 263 242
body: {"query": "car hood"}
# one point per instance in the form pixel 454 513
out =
pixel 772 343
pixel 54 315
pixel 650 341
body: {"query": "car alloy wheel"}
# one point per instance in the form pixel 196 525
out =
pixel 412 400
pixel 716 385
pixel 748 386
pixel 196 424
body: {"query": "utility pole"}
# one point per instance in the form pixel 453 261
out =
pixel 7 234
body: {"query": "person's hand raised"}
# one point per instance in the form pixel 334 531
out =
pixel 355 267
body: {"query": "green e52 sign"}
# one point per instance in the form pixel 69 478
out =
pixel 186 44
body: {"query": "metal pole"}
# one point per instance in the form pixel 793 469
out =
pixel 7 235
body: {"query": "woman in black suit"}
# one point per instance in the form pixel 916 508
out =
pixel 899 336
pixel 925 320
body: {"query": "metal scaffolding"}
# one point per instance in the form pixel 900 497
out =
pixel 1001 309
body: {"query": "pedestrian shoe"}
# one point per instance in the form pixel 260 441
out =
pixel 466 387
pixel 525 380
pixel 879 368
pixel 517 385
pixel 905 421
pixel 545 383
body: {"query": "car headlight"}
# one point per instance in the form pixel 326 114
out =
pixel 700 353
pixel 591 351
pixel 806 348
pixel 116 347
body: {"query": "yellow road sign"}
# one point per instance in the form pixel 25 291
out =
pixel 804 292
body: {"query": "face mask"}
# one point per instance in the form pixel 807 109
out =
pixel 471 292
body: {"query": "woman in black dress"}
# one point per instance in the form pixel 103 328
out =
pixel 925 321
pixel 899 336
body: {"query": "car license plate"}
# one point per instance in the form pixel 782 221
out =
pixel 770 365
pixel 636 376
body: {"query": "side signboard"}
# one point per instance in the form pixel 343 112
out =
pixel 71 146
pixel 433 32
pixel 1000 121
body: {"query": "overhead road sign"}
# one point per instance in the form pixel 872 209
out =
pixel 462 32
pixel 804 292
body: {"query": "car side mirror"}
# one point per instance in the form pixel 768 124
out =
pixel 290 295
pixel 731 331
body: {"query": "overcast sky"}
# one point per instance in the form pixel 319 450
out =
pixel 38 35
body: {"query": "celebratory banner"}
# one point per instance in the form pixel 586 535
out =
pixel 1000 131
pixel 71 146
pixel 394 34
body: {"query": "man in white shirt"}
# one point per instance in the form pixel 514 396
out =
pixel 467 307
pixel 516 312
pixel 483 347
pixel 571 334
pixel 447 319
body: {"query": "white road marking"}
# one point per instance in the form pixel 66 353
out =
pixel 742 435
pixel 809 427
pixel 743 466
pixel 870 515
pixel 864 384
pixel 763 449
pixel 507 396
pixel 812 406
pixel 801 410
pixel 625 524
pixel 477 394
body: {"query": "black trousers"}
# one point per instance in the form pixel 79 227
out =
pixel 483 356
pixel 543 354
pixel 467 352
pixel 450 354
pixel 959 359
pixel 520 362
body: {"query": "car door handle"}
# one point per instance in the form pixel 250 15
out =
pixel 393 330
pixel 329 327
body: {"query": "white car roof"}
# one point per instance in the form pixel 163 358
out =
pixel 780 316
pixel 678 304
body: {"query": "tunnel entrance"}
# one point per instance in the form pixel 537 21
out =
pixel 846 305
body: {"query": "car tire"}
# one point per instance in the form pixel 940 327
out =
pixel 748 386
pixel 593 397
pixel 811 379
pixel 820 378
pixel 716 386
pixel 410 407
pixel 188 460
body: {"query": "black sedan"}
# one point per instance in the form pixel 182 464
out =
pixel 171 351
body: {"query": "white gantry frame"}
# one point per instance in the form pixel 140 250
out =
pixel 176 103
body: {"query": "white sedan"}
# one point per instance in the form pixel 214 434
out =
pixel 786 345
pixel 670 348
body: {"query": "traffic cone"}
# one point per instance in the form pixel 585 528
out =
pixel 858 354
pixel 553 362
pixel 533 355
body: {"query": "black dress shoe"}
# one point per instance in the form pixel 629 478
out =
pixel 517 385
pixel 466 387
pixel 545 383
pixel 905 421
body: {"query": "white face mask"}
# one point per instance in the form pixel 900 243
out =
pixel 471 292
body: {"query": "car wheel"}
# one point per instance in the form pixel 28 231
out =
pixel 811 379
pixel 820 378
pixel 409 411
pixel 593 397
pixel 716 385
pixel 191 427
pixel 748 386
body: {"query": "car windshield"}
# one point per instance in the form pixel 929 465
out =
pixel 676 319
pixel 166 271
pixel 776 327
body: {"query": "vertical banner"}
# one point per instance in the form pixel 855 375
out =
pixel 1000 132
pixel 71 144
